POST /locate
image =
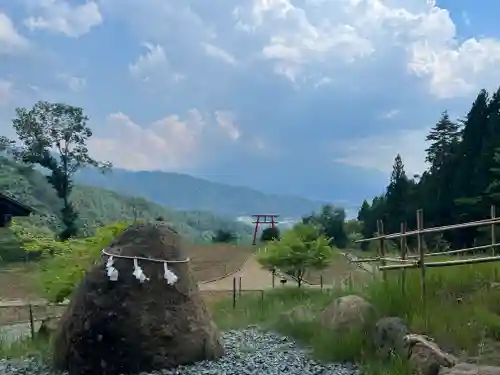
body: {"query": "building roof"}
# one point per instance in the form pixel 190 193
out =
pixel 23 209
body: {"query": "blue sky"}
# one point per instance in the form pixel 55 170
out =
pixel 308 97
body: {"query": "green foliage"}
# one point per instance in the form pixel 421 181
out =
pixel 224 236
pixel 270 234
pixel 54 136
pixel 299 250
pixel 459 185
pixel 96 207
pixel 330 223
pixel 62 272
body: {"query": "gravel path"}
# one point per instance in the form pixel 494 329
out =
pixel 248 351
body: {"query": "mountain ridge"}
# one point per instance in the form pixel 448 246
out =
pixel 185 192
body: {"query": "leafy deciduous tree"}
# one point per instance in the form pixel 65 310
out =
pixel 54 136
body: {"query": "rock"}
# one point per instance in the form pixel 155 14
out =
pixel 389 337
pixel 470 369
pixel 48 327
pixel 424 361
pixel 125 326
pixel 347 313
pixel 302 314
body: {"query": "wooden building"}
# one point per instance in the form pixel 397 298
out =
pixel 10 208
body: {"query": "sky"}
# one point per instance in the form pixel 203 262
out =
pixel 305 97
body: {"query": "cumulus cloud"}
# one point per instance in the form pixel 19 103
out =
pixel 173 142
pixel 60 16
pixel 5 91
pixel 169 143
pixel 74 83
pixel 219 53
pixel 10 39
pixel 378 151
pixel 347 31
pixel 153 66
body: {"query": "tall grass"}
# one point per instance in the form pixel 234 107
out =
pixel 461 311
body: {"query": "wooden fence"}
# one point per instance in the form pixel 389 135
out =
pixel 418 261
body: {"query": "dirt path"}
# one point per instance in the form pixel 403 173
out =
pixel 253 277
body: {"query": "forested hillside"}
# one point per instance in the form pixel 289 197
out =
pixel 461 183
pixel 97 207
pixel 184 192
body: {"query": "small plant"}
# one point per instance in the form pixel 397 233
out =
pixel 224 236
pixel 300 249
pixel 270 234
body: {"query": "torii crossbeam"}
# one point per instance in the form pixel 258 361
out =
pixel 263 219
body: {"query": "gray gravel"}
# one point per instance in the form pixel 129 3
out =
pixel 248 351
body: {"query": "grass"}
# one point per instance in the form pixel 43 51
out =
pixel 25 347
pixel 461 312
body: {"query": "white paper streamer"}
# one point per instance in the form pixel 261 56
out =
pixel 169 275
pixel 111 271
pixel 138 273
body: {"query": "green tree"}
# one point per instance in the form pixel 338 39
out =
pixel 299 250
pixel 61 273
pixel 224 236
pixel 329 223
pixel 270 234
pixel 397 197
pixel 55 136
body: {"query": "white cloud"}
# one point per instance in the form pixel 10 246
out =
pixel 153 66
pixel 346 31
pixel 226 121
pixel 10 39
pixel 74 83
pixel 61 17
pixel 378 151
pixel 5 91
pixel 219 53
pixel 170 143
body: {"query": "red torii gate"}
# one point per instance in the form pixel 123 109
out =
pixel 266 219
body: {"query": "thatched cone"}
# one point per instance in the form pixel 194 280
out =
pixel 123 326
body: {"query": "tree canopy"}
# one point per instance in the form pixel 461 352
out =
pixel 459 184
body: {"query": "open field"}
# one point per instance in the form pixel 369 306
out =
pixel 208 262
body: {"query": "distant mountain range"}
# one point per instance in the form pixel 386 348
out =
pixel 183 192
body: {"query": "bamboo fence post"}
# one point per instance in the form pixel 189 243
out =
pixel 402 244
pixel 493 237
pixel 381 249
pixel 420 226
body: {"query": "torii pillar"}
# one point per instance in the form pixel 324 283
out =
pixel 263 219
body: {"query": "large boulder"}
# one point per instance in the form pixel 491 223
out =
pixel 389 337
pixel 127 326
pixel 348 313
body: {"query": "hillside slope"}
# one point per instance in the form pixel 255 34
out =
pixel 98 206
pixel 184 192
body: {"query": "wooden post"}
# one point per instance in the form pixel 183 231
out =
pixel 403 249
pixel 381 249
pixel 239 286
pixel 493 237
pixel 234 292
pixel 273 275
pixel 321 282
pixel 32 322
pixel 421 251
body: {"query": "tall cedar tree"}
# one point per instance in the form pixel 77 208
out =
pixel 462 179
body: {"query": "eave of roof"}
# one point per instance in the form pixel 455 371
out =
pixel 22 206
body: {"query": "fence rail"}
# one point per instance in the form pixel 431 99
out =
pixel 418 261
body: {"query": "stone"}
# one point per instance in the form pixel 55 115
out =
pixel 48 327
pixel 348 313
pixel 470 369
pixel 389 337
pixel 125 326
